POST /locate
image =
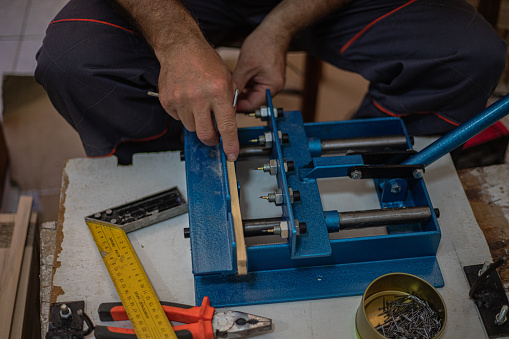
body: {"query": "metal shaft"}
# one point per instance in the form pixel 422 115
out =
pixel 253 151
pixel 461 134
pixel 348 220
pixel 383 217
pixel 364 144
pixel 255 227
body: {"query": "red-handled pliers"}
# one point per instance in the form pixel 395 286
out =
pixel 200 322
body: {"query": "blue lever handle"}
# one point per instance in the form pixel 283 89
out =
pixel 461 134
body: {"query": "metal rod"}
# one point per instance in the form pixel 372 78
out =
pixel 268 226
pixel 349 220
pixel 461 134
pixel 256 227
pixel 383 217
pixel 364 144
pixel 253 151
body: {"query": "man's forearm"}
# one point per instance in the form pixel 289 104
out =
pixel 163 23
pixel 290 16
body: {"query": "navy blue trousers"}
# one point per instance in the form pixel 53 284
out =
pixel 432 63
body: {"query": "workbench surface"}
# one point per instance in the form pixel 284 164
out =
pixel 91 185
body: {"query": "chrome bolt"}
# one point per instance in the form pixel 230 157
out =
pixel 277 196
pixel 418 173
pixel 395 188
pixel 484 268
pixel 356 175
pixel 501 317
pixel 271 167
pixel 65 311
pixel 283 229
pixel 263 112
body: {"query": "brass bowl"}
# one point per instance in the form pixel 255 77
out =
pixel 389 287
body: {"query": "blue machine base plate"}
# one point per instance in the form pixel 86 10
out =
pixel 309 282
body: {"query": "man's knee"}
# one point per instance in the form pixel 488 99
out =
pixel 484 54
pixel 54 80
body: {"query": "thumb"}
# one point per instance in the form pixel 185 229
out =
pixel 240 76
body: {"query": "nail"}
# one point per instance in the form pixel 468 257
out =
pixel 235 95
pixel 231 157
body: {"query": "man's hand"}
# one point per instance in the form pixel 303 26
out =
pixel 262 59
pixel 194 83
pixel 194 86
pixel 261 66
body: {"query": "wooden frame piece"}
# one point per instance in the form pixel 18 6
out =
pixel 11 269
pixel 22 295
pixel 237 220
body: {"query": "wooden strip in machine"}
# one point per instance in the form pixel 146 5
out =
pixel 237 220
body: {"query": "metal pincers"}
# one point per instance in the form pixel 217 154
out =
pixel 235 324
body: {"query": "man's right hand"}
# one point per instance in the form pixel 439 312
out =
pixel 194 86
pixel 194 83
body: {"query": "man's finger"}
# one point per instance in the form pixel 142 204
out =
pixel 205 129
pixel 227 126
pixel 187 119
pixel 252 100
pixel 173 113
pixel 241 77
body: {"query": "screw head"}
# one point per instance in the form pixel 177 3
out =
pixel 395 188
pixel 356 175
pixel 418 173
pixel 65 311
pixel 501 317
pixel 485 266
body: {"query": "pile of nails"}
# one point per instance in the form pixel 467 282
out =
pixel 408 317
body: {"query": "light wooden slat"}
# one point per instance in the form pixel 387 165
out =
pixel 237 220
pixel 24 280
pixel 5 218
pixel 12 267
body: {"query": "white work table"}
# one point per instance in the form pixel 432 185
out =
pixel 92 185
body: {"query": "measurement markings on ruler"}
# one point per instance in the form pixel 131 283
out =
pixel 136 293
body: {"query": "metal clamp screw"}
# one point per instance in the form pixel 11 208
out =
pixel 271 167
pixel 501 317
pixel 356 175
pixel 418 173
pixel 277 196
pixel 283 229
pixel 65 311
pixel 265 139
pixel 395 188
pixel 484 268
pixel 263 112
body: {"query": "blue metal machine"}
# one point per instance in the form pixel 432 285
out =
pixel 311 263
